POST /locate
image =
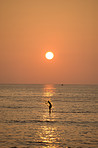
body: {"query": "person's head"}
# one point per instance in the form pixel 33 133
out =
pixel 48 101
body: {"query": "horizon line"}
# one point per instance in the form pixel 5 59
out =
pixel 48 83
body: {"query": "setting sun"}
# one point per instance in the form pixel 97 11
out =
pixel 49 55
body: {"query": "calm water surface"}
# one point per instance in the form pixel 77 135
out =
pixel 25 121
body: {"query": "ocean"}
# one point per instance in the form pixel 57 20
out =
pixel 25 120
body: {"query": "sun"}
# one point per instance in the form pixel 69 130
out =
pixel 49 55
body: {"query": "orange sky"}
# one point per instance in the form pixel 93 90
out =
pixel 29 28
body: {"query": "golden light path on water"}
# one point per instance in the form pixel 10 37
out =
pixel 48 91
pixel 48 134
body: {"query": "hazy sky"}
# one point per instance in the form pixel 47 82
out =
pixel 29 28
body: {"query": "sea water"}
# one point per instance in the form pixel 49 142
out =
pixel 25 121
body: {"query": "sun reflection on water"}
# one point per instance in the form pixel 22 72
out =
pixel 49 136
pixel 49 91
pixel 48 133
pixel 48 96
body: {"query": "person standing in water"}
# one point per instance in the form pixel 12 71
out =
pixel 50 106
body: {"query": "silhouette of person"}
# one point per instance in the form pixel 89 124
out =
pixel 50 106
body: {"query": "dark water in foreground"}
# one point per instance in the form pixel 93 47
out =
pixel 25 121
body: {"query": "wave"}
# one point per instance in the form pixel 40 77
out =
pixel 76 112
pixel 30 121
pixel 15 107
pixel 53 122
pixel 54 111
